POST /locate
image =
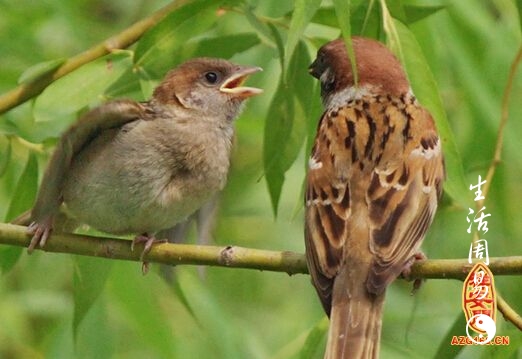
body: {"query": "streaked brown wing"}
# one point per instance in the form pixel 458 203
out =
pixel 327 207
pixel 402 199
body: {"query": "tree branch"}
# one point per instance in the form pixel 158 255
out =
pixel 122 40
pixel 230 256
pixel 239 257
pixel 166 253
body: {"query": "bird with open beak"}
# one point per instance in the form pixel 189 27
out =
pixel 137 168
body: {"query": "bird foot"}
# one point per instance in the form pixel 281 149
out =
pixel 149 241
pixel 40 232
pixel 406 272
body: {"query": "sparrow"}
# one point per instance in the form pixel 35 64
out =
pixel 131 167
pixel 374 180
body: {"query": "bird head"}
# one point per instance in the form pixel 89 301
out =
pixel 379 71
pixel 207 86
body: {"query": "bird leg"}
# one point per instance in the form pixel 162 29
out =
pixel 149 241
pixel 40 230
pixel 406 271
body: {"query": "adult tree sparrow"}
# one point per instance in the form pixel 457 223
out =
pixel 374 181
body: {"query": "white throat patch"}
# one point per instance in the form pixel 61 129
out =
pixel 348 94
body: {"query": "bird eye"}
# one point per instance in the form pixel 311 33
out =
pixel 211 77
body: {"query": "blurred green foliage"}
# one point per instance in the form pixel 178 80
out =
pixel 457 54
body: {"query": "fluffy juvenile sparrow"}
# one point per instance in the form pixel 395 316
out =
pixel 137 168
pixel 375 178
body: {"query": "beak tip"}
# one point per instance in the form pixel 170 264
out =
pixel 233 85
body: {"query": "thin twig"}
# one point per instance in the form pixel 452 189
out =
pixel 503 121
pixel 503 307
pixel 509 313
pixel 122 40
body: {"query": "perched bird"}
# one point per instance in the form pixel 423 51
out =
pixel 137 168
pixel 374 181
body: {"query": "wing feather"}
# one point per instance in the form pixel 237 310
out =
pixel 390 152
pixel 327 207
pixel 110 115
pixel 402 199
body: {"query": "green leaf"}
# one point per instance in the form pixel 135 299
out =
pixel 416 13
pixel 519 7
pixel 447 351
pixel 22 199
pixel 366 19
pixel 90 275
pixel 7 127
pixel 81 88
pixel 280 47
pixel 220 334
pixel 277 132
pixel 342 10
pixel 156 47
pixel 9 256
pixel 141 300
pixel 127 85
pixel 224 46
pixel 325 16
pixel 26 188
pixel 396 10
pixel 359 15
pixel 39 70
pixel 147 84
pixel 425 88
pixel 286 127
pixel 303 13
pixel 94 339
pixel 315 341
pixel 391 32
pixel 262 30
pixel 5 154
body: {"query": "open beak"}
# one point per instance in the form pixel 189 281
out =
pixel 232 85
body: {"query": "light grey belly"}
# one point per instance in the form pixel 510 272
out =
pixel 110 192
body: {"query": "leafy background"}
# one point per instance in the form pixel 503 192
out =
pixel 457 54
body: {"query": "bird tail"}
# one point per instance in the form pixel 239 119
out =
pixel 355 326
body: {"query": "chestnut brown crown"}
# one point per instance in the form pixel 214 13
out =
pixel 380 72
pixel 208 86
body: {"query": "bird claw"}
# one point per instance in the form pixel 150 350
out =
pixel 406 272
pixel 40 232
pixel 149 241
